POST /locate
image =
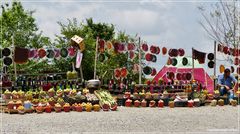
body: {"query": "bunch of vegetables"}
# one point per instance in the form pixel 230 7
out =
pixel 106 99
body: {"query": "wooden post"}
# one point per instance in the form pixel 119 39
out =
pixel 95 64
pixel 192 66
pixel 81 73
pixel 14 63
pixel 215 56
pixel 140 58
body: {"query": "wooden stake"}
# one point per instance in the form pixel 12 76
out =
pixel 192 66
pixel 95 64
pixel 215 56
pixel 140 58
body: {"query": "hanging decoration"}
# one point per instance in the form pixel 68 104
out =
pixel 164 50
pixel 20 55
pixel 147 70
pixel 221 68
pixel 145 47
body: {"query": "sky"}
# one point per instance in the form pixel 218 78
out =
pixel 169 23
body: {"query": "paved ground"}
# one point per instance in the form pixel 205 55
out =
pixel 128 120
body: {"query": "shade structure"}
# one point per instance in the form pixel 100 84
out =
pixel 200 74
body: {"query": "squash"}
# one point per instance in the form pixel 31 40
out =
pixel 144 103
pixel 160 104
pixel 137 103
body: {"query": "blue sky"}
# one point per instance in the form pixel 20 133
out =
pixel 173 24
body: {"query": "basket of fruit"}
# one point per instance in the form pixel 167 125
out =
pixel 58 108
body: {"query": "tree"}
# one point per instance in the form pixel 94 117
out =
pixel 222 25
pixel 19 23
pixel 90 31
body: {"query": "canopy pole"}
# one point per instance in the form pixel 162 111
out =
pixel 95 63
pixel 215 56
pixel 139 56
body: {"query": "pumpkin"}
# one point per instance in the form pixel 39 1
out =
pixel 164 50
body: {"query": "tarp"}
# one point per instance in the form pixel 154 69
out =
pixel 200 74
